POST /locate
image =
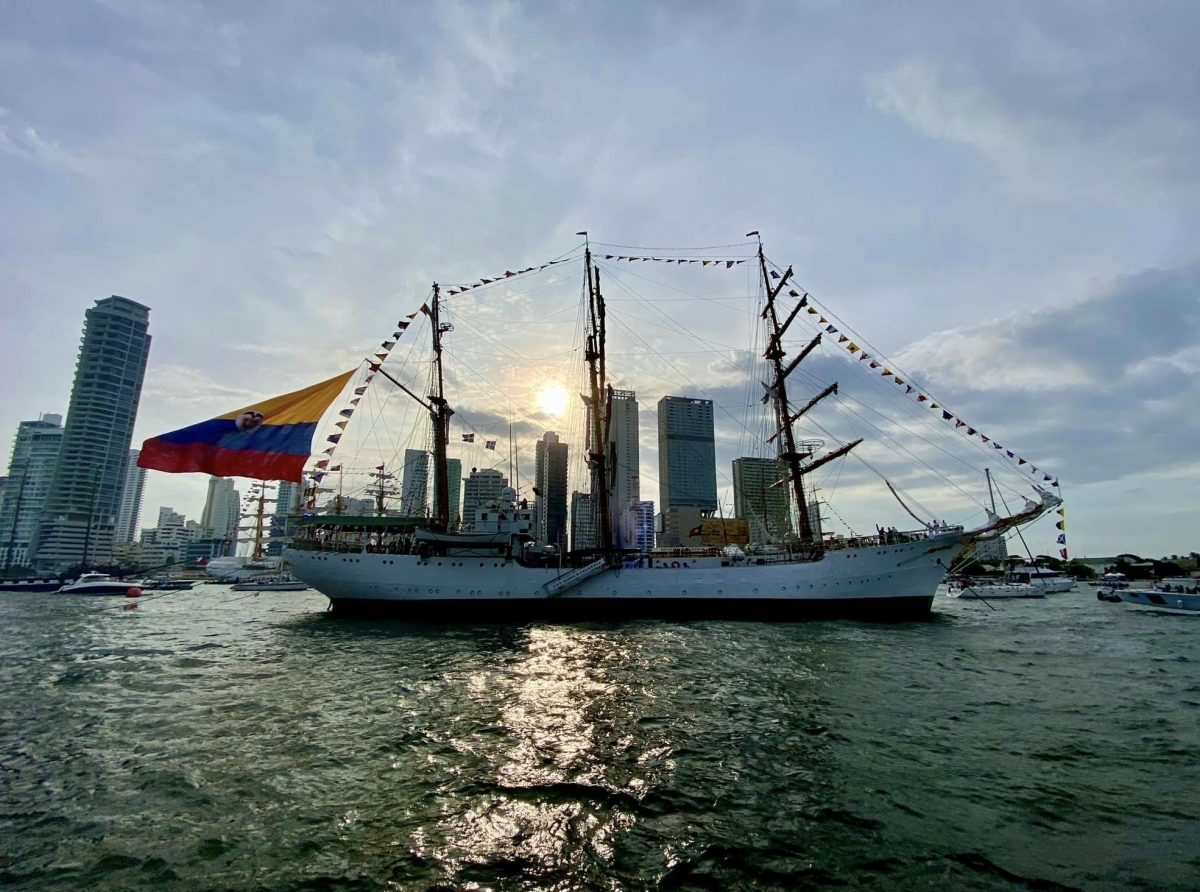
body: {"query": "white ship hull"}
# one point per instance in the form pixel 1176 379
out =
pixel 881 582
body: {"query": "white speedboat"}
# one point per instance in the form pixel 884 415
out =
pixel 1177 595
pixel 99 584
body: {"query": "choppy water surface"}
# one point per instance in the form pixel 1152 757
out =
pixel 209 740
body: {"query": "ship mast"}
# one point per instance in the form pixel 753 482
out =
pixel 258 521
pixel 439 414
pixel 785 434
pixel 598 387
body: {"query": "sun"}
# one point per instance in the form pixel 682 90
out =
pixel 553 399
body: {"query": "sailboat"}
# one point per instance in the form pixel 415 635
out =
pixel 492 567
pixel 422 566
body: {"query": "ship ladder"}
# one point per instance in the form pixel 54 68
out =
pixel 556 587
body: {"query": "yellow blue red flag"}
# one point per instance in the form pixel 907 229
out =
pixel 270 440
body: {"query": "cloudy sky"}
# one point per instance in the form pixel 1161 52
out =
pixel 1004 202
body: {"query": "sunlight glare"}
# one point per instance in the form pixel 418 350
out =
pixel 553 399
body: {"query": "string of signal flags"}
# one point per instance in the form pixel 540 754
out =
pixel 844 340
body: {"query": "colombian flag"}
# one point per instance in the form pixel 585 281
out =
pixel 270 440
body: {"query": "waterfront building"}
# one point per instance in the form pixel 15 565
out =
pixel 131 501
pixel 680 527
pixel 414 484
pixel 687 469
pixel 454 487
pixel 166 545
pixel 482 486
pixel 222 509
pixel 993 551
pixel 583 522
pixel 641 526
pixel 625 472
pixel 550 480
pixel 201 551
pixel 358 507
pixel 30 472
pixel 79 517
pixel 288 496
pixel 761 499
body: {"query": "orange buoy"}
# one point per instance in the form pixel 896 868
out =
pixel 133 592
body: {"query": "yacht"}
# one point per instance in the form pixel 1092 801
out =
pixel 99 584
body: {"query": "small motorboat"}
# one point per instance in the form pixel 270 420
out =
pixel 167 585
pixel 99 584
pixel 270 584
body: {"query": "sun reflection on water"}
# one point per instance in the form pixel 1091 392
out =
pixel 567 773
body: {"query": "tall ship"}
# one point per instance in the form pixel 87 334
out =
pixel 496 562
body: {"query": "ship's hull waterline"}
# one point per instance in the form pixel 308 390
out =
pixel 879 583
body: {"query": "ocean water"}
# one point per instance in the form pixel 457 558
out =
pixel 215 740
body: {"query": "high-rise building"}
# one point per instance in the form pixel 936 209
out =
pixel 30 471
pixel 167 543
pixel 550 479
pixel 357 507
pixel 482 486
pixel 222 510
pixel 131 501
pixel 641 526
pixel 287 507
pixel 761 498
pixel 687 466
pixel 583 522
pixel 414 484
pixel 454 487
pixel 625 472
pixel 80 514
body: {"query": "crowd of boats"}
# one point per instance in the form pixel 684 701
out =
pixel 1176 594
pixel 267 578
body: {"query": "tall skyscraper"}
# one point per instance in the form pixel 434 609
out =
pixel 30 471
pixel 583 522
pixel 765 506
pixel 482 486
pixel 288 498
pixel 550 478
pixel 454 487
pixel 414 484
pixel 79 517
pixel 687 454
pixel 625 473
pixel 283 518
pixel 222 510
pixel 641 525
pixel 131 501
